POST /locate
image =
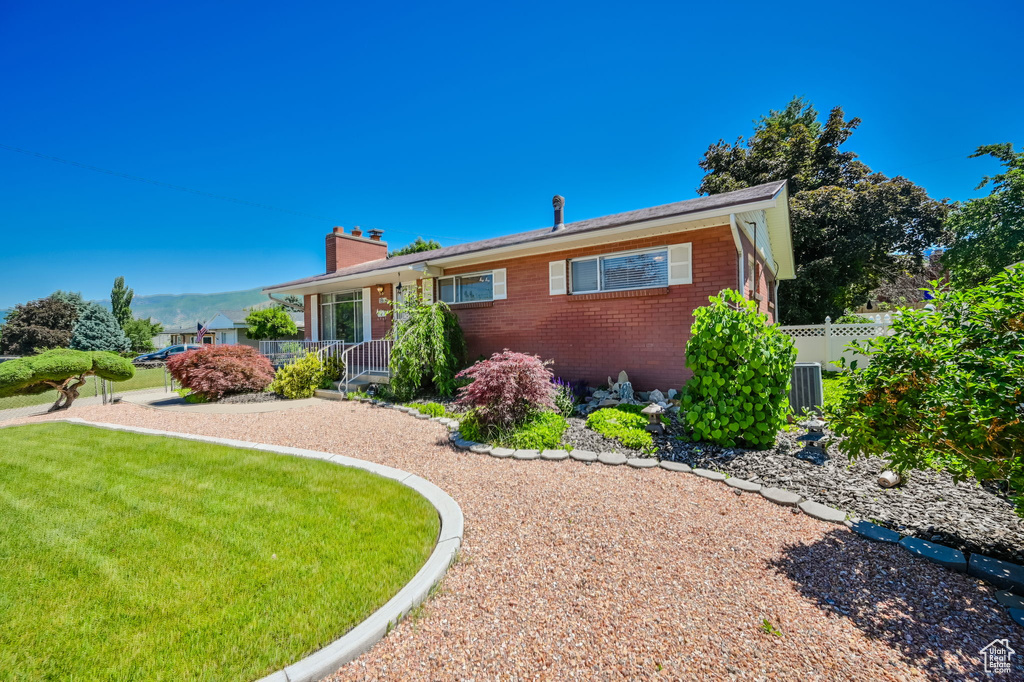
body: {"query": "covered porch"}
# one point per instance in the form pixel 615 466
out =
pixel 348 319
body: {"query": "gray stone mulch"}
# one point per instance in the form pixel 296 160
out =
pixel 244 398
pixel 929 505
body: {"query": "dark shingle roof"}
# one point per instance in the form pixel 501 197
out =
pixel 725 200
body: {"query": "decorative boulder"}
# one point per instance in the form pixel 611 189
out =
pixel 656 396
pixel 626 391
pixel 623 377
pixel 672 393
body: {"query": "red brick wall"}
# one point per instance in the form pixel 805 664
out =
pixel 594 336
pixel 307 316
pixel 379 325
pixel 343 250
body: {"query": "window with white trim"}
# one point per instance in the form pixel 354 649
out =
pixel 466 288
pixel 619 271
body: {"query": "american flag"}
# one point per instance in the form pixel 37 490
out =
pixel 200 332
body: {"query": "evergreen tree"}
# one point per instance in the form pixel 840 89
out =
pixel 98 330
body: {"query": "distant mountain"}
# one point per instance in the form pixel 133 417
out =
pixel 175 310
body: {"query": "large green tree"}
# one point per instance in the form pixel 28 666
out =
pixel 38 325
pixel 416 247
pixel 140 333
pixel 987 234
pixel 850 225
pixel 121 302
pixel 270 323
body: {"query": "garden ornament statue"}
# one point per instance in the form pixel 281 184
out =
pixel 653 413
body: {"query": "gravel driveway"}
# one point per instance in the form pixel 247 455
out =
pixel 570 571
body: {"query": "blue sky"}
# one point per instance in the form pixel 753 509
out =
pixel 449 121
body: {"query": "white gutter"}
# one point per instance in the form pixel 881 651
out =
pixel 739 251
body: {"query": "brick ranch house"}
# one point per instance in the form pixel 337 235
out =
pixel 595 296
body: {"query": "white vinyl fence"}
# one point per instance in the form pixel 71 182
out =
pixel 826 343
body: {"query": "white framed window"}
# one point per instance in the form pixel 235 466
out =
pixel 619 271
pixel 472 288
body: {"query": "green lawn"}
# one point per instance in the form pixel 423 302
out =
pixel 834 384
pixel 130 557
pixel 144 378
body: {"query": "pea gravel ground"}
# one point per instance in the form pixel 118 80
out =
pixel 589 572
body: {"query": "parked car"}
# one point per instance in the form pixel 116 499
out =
pixel 164 353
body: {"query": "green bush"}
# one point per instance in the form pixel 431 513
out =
pixel 300 379
pixel 625 424
pixel 432 409
pixel 946 388
pixel 739 392
pixel 540 431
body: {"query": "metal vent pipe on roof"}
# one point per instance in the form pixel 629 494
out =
pixel 558 201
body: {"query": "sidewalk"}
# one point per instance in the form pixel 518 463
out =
pixel 34 410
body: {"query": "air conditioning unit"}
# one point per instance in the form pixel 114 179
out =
pixel 806 391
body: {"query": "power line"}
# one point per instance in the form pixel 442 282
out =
pixel 181 188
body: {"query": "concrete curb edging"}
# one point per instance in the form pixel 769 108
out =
pixel 1001 574
pixel 359 639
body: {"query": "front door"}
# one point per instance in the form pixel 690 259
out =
pixel 342 317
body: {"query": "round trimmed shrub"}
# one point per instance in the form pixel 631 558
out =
pixel 63 370
pixel 217 371
pixel 739 392
pixel 299 379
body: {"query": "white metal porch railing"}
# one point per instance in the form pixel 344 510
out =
pixel 285 352
pixel 366 358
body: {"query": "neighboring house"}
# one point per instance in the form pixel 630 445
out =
pixel 228 326
pixel 595 296
pixel 171 336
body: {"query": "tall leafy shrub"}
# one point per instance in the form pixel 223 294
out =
pixel 742 365
pixel 507 388
pixel 946 387
pixel 216 371
pixel 428 346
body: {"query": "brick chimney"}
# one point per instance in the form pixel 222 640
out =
pixel 344 250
